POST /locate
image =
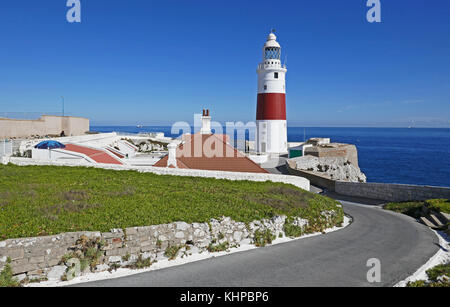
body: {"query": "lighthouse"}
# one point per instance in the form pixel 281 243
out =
pixel 271 126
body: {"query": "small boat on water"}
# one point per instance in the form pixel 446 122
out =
pixel 139 126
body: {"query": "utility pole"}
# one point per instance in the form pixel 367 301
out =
pixel 62 105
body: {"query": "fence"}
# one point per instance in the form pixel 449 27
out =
pixel 6 148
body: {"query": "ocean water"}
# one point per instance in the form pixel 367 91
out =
pixel 389 155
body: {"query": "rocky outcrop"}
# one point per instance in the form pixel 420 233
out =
pixel 335 168
pixel 333 150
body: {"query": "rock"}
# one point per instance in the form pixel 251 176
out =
pixel 237 236
pixel 199 233
pixel 115 259
pixel 336 168
pixel 74 268
pixel 182 226
pixel 21 277
pixel 246 242
pixel 101 268
pixel 179 235
pixel 56 272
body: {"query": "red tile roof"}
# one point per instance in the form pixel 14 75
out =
pixel 98 156
pixel 211 152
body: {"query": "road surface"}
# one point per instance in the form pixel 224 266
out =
pixel 335 259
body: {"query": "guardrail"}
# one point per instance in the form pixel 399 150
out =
pixel 6 148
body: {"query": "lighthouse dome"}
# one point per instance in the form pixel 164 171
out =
pixel 271 49
pixel 272 41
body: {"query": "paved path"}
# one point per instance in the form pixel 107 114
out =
pixel 335 259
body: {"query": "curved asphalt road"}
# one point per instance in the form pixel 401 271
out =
pixel 335 259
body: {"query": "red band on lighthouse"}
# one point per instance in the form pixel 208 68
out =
pixel 271 106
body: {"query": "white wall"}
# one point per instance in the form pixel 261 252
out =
pixel 274 135
pixel 46 125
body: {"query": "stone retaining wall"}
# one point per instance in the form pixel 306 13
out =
pixel 378 191
pixel 58 256
pixel 314 178
pixel 391 192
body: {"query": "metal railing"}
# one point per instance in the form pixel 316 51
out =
pixel 6 148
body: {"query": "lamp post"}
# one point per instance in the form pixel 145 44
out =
pixel 62 97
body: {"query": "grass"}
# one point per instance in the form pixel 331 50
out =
pixel 414 208
pixel 171 252
pixel 6 276
pixel 263 237
pixel 47 200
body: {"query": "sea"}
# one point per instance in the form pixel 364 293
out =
pixel 419 156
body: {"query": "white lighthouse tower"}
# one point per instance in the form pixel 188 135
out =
pixel 271 126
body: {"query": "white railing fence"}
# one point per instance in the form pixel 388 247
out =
pixel 6 148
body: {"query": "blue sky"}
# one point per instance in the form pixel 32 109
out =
pixel 157 62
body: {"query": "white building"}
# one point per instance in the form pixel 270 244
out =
pixel 271 126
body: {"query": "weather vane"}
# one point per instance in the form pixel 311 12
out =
pixel 272 30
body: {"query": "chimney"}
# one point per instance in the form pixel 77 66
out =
pixel 172 155
pixel 206 123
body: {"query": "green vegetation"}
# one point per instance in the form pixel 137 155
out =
pixel 437 277
pixel 88 251
pixel 262 238
pixel 47 200
pixel 171 252
pixel 416 208
pixel 291 230
pixel 6 276
pixel 215 248
pixel 126 257
pixel 140 263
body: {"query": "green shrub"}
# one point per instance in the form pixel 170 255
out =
pixel 172 252
pixel 292 230
pixel 262 238
pixel 215 248
pixel 140 263
pixel 441 205
pixel 437 277
pixel 439 270
pixel 126 257
pixel 6 276
pixel 414 208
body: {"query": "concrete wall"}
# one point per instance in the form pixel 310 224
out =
pixel 378 191
pixel 314 179
pixel 391 192
pixel 46 125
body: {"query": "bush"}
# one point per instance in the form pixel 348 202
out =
pixel 415 208
pixel 262 238
pixel 6 276
pixel 437 277
pixel 172 252
pixel 215 248
pixel 292 230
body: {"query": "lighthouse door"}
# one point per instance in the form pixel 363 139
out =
pixel 263 147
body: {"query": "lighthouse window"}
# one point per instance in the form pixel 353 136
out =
pixel 272 53
pixel 265 87
pixel 276 75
